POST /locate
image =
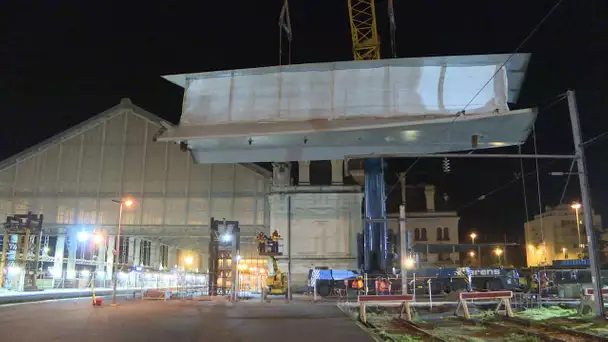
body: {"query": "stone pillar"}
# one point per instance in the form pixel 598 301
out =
pixel 304 172
pixel 137 252
pixel 59 249
pixel 281 174
pixel 429 193
pixel 110 256
pixel 337 172
pixel 72 245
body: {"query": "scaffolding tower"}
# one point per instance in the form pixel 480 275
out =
pixel 224 247
pixel 21 248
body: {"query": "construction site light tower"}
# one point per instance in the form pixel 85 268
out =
pixel 21 247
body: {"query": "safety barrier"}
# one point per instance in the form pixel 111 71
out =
pixel 586 305
pixel 379 300
pixel 504 297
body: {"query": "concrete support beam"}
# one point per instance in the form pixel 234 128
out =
pixel 337 172
pixel 304 172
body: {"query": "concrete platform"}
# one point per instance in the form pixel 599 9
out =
pixel 178 321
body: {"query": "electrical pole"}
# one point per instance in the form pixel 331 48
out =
pixel 403 236
pixel 289 298
pixel 587 209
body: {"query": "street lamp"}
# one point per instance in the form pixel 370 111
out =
pixel 128 203
pixel 473 236
pixel 498 253
pixel 576 206
pixel 472 254
pixel 189 260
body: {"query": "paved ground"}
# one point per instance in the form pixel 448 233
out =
pixel 177 321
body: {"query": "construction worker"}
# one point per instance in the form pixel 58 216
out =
pixel 275 241
pixel 261 237
pixel 358 284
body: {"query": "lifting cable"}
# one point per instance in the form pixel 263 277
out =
pixel 285 25
pixel 393 26
pixel 462 112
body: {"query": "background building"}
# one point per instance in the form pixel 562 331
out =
pixel 429 221
pixel 555 235
pixel 73 178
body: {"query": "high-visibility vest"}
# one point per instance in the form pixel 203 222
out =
pixel 384 286
pixel 275 237
pixel 357 284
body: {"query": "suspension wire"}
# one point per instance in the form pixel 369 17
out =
pixel 462 112
pixel 506 185
pixel 540 203
pixel 595 139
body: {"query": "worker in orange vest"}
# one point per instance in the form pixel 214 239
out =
pixel 261 237
pixel 358 284
pixel 383 287
pixel 275 241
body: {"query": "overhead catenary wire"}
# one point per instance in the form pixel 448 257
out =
pixel 524 41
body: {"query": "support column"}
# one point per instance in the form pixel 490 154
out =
pixel 131 252
pixel 304 172
pixel 110 257
pixel 337 172
pixel 172 257
pixel 429 193
pixel 59 250
pixel 154 254
pixel 137 252
pixel 72 246
pixel 101 260
pixel 375 234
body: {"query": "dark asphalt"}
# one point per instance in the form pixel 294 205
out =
pixel 177 321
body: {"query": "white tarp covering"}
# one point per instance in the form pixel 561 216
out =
pixel 326 92
pixel 335 110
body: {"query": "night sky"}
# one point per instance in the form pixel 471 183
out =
pixel 65 61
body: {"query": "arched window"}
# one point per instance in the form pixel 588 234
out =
pixel 423 235
pixel 416 234
pixel 438 233
pixel 446 234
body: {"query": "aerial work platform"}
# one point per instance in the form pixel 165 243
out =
pixel 335 110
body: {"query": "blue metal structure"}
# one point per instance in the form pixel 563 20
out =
pixel 375 234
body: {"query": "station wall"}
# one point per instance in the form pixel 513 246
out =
pixel 73 180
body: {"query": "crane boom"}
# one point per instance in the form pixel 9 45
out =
pixel 366 45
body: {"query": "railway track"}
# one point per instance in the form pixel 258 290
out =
pixel 543 332
pixel 410 326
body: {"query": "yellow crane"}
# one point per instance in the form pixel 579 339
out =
pixel 363 28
